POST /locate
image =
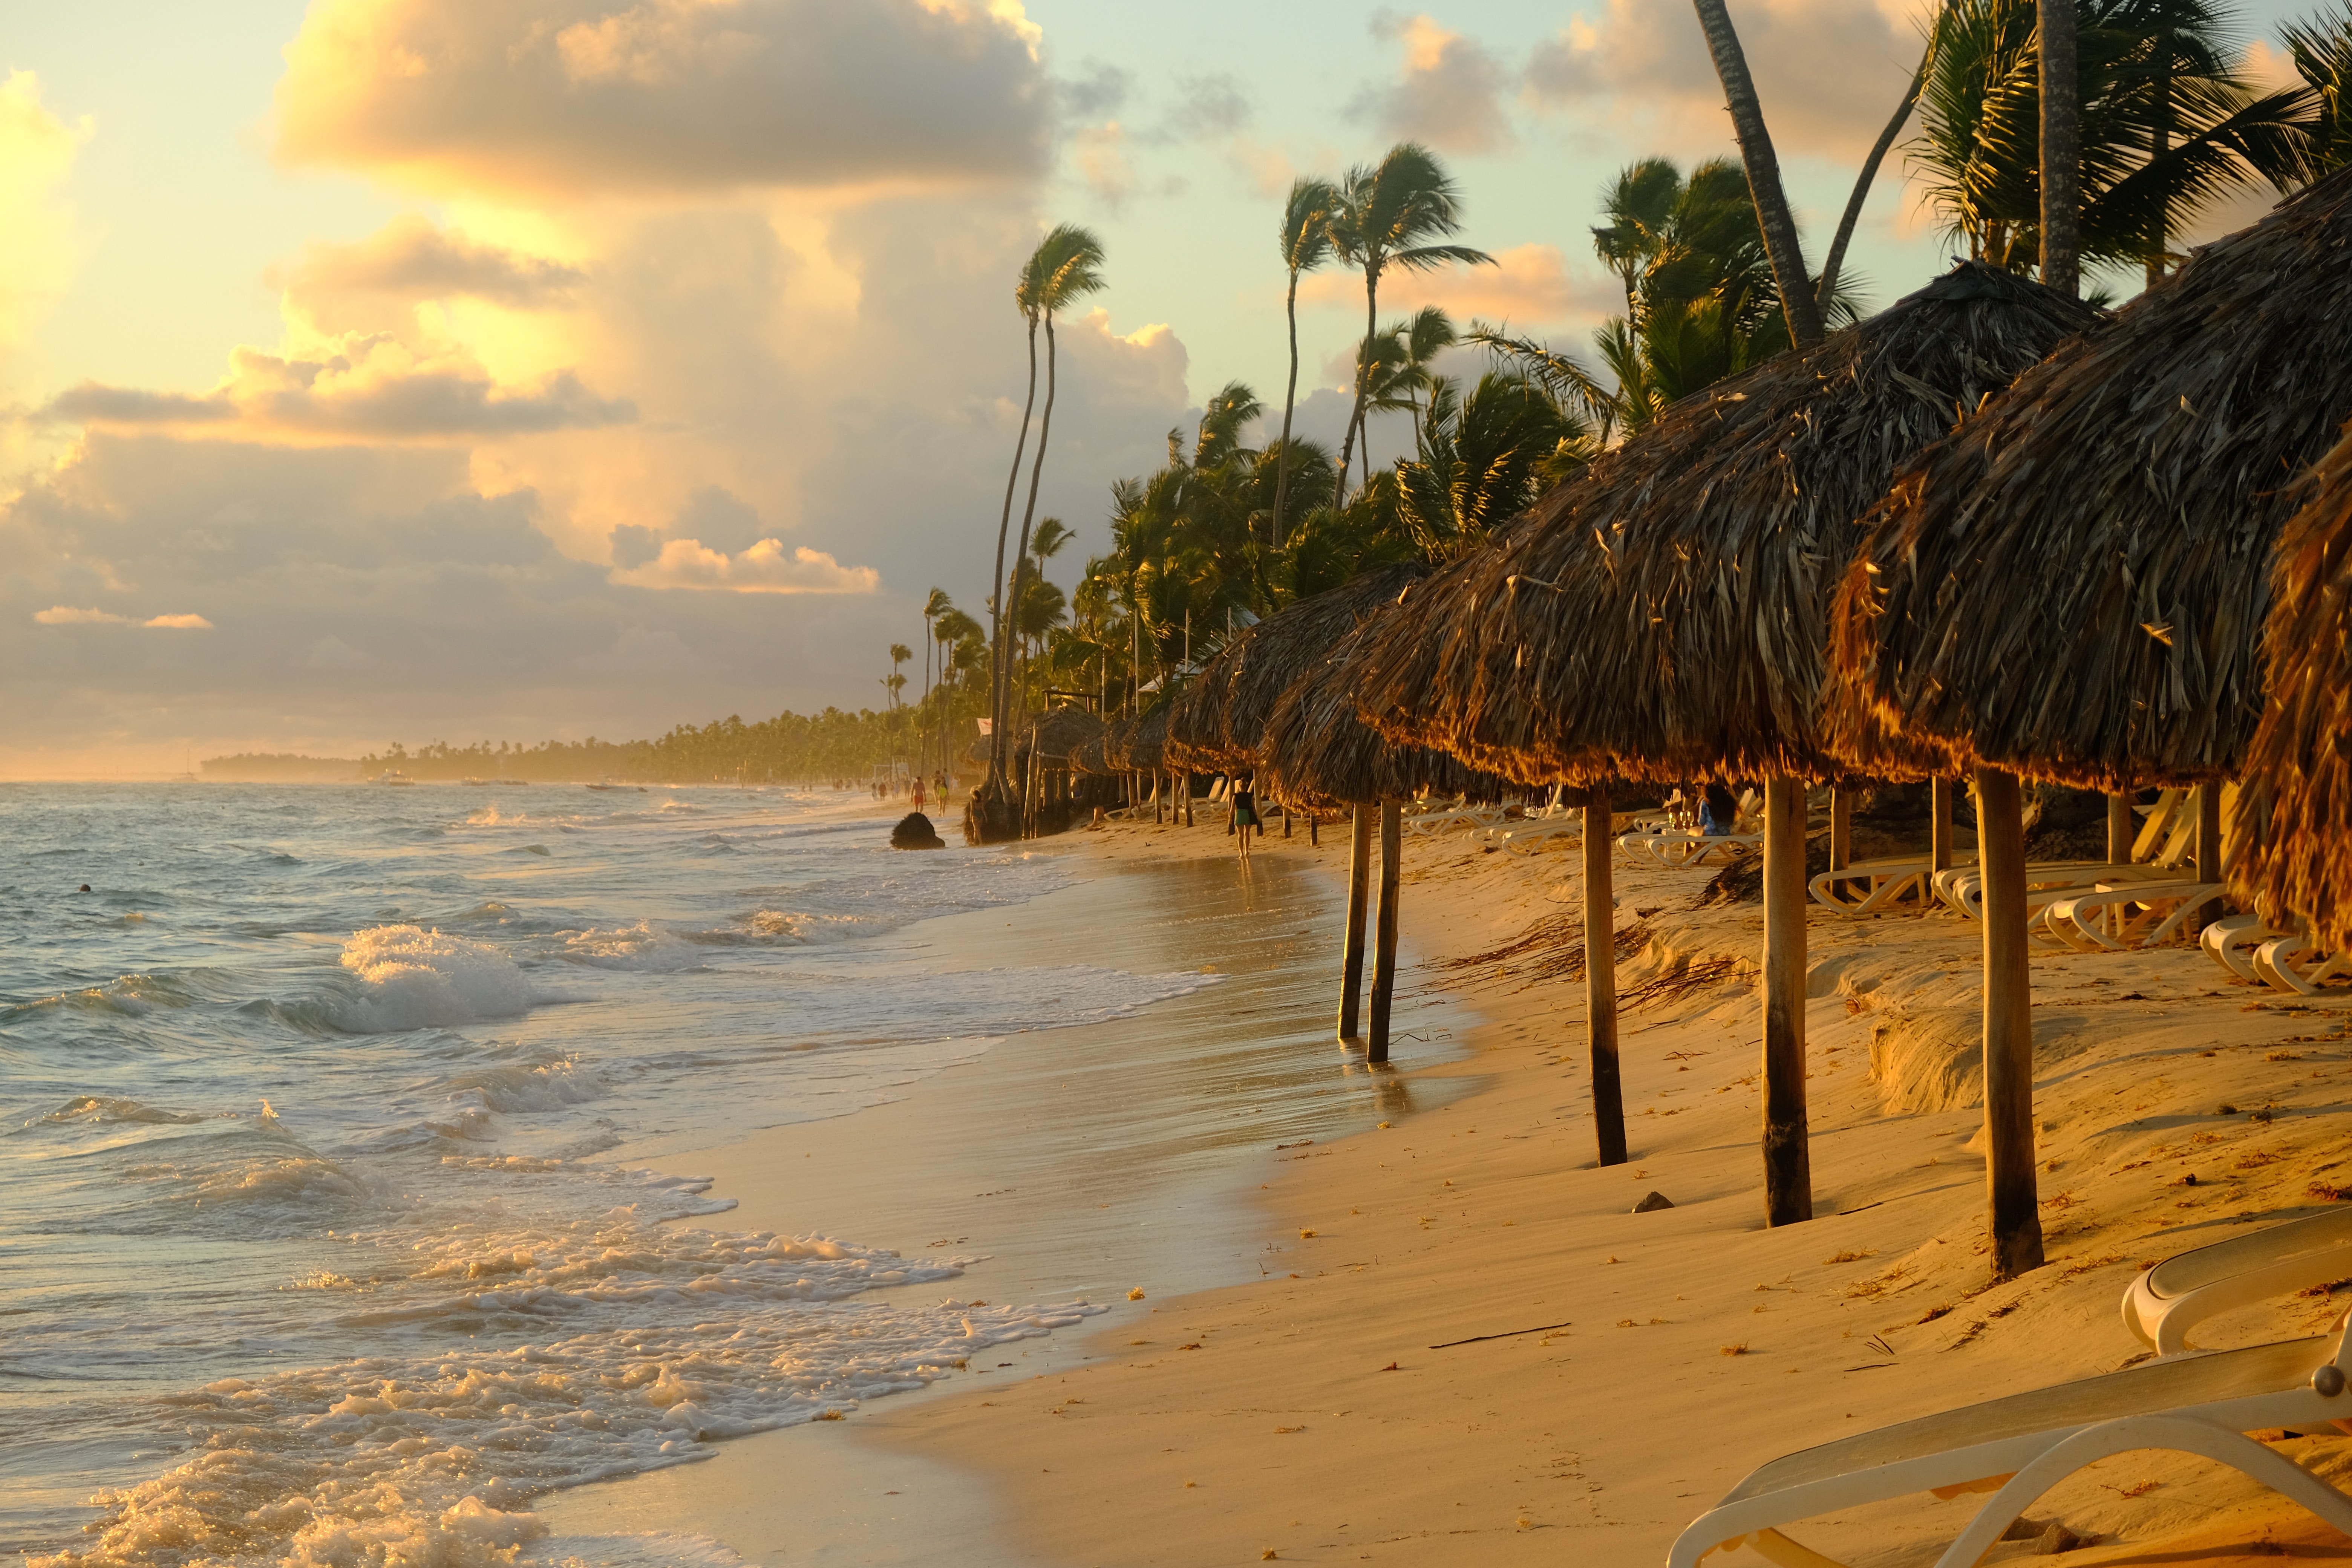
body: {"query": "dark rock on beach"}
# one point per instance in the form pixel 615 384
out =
pixel 914 832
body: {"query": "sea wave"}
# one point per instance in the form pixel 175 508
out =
pixel 641 1345
pixel 417 979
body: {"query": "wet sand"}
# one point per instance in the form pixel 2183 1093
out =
pixel 1082 1162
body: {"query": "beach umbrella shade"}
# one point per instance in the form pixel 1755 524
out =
pixel 1318 751
pixel 2298 778
pixel 1664 616
pixel 2072 586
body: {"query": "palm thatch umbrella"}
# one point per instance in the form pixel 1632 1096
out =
pixel 1141 746
pixel 1090 758
pixel 1664 616
pixel 1316 750
pixel 2298 776
pixel 2071 586
pixel 1046 749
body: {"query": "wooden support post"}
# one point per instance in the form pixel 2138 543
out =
pixel 1185 786
pixel 2011 1192
pixel 1384 933
pixel 2208 848
pixel 1787 1159
pixel 1939 829
pixel 1314 830
pixel 1286 819
pixel 1351 954
pixel 1841 827
pixel 1601 981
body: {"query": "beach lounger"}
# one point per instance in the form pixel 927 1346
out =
pixel 1890 882
pixel 2287 963
pixel 1676 849
pixel 2045 881
pixel 1529 838
pixel 2165 1303
pixel 1456 815
pixel 2153 913
pixel 2019 1447
pixel 2231 940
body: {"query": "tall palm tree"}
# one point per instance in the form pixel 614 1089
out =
pixel 1772 212
pixel 1386 214
pixel 1067 266
pixel 1401 375
pixel 1027 288
pixel 935 605
pixel 1305 246
pixel 900 654
pixel 1640 206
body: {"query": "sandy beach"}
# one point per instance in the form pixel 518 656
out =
pixel 1439 1335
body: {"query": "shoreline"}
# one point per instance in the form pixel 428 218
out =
pixel 1352 1406
pixel 1129 1147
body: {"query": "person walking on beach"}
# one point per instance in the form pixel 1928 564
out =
pixel 1244 811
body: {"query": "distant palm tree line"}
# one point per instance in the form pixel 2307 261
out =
pixel 1224 532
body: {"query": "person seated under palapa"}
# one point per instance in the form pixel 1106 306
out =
pixel 1716 809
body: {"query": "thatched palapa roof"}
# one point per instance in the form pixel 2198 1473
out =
pixel 1057 734
pixel 1221 720
pixel 2298 779
pixel 2072 587
pixel 1139 744
pixel 1089 757
pixel 1664 615
pixel 1318 752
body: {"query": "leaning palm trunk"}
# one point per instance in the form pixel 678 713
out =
pixel 996 583
pixel 1289 399
pixel 1863 181
pixel 1363 374
pixel 2062 147
pixel 1028 515
pixel 1772 214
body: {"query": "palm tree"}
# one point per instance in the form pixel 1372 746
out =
pixel 2160 127
pixel 1483 459
pixel 1026 290
pixel 900 654
pixel 1640 206
pixel 1385 214
pixel 1772 213
pixel 2321 48
pixel 1305 246
pixel 1067 266
pixel 935 605
pixel 1402 360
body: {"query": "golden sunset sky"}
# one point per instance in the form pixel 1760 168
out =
pixel 383 370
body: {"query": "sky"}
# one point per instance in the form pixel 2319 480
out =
pixel 380 371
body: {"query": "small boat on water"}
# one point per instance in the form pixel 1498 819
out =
pixel 391 776
pixel 608 783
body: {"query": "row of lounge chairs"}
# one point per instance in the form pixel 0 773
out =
pixel 2196 1402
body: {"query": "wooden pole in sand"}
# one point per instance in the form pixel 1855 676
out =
pixel 1384 940
pixel 2120 833
pixel 1788 1161
pixel 1601 981
pixel 2208 848
pixel 1940 826
pixel 1185 786
pixel 2012 1196
pixel 1351 954
pixel 1841 827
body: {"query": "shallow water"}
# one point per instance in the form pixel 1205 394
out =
pixel 332 1124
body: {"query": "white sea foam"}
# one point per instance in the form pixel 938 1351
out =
pixel 416 979
pixel 643 946
pixel 641 1345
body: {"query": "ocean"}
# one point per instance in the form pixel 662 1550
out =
pixel 339 1139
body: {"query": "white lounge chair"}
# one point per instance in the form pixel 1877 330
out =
pixel 2046 881
pixel 2152 913
pixel 2287 963
pixel 2164 1304
pixel 1890 882
pixel 1676 849
pixel 1528 838
pixel 2231 940
pixel 2019 1447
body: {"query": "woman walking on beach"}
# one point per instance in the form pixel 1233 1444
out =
pixel 1244 811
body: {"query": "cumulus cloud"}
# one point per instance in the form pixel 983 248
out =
pixel 1528 284
pixel 178 623
pixel 370 385
pixel 1448 93
pixel 37 239
pixel 1828 71
pixel 412 259
pixel 765 568
pixel 573 98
